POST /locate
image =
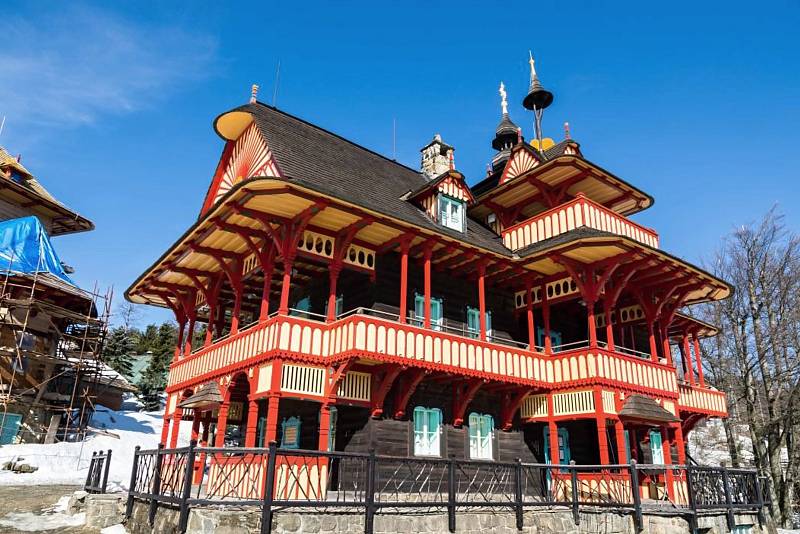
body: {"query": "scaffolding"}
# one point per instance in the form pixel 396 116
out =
pixel 51 344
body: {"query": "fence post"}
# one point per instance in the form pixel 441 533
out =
pixel 574 479
pixel 269 489
pixel 637 497
pixel 156 489
pixel 369 498
pixel 518 492
pixel 105 472
pixel 728 501
pixel 132 485
pixel 87 486
pixel 759 499
pixel 691 496
pixel 183 518
pixel 451 494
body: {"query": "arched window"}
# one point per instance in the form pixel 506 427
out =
pixel 481 436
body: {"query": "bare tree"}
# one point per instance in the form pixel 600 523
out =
pixel 755 358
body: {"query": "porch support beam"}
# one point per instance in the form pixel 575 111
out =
pixel 463 393
pixel 511 404
pixel 411 380
pixel 381 387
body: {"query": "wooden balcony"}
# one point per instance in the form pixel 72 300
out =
pixel 580 212
pixel 702 400
pixel 362 334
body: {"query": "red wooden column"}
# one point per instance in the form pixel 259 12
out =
pixel 288 264
pixel 600 420
pixel 687 355
pixel 619 430
pixel 333 277
pixel 404 246
pixel 212 309
pixel 482 298
pixel 252 422
pixel 651 336
pixel 609 325
pixel 553 429
pixel 269 268
pixel 273 403
pixel 176 426
pixel 548 343
pixel 591 323
pixel 428 250
pixel 222 420
pixel 179 344
pixel 697 359
pixel 324 426
pixel 680 443
pixel 238 290
pixel 529 310
pixel 666 445
pixel 165 427
pixel 665 342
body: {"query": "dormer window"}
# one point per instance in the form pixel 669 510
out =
pixel 451 213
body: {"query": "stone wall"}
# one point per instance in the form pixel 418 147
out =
pixel 539 521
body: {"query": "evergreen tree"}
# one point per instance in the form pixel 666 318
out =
pixel 146 340
pixel 154 377
pixel 118 350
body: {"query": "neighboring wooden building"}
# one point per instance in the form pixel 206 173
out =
pixel 50 330
pixel 353 303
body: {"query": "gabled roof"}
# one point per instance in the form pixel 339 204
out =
pixel 329 164
pixel 432 186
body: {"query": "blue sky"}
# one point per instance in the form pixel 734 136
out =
pixel 111 104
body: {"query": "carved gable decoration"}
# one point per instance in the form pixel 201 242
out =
pixel 247 157
pixel 456 188
pixel 520 162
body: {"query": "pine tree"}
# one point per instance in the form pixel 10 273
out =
pixel 118 350
pixel 154 377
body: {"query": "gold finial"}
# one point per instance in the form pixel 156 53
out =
pixel 566 131
pixel 253 93
pixel 503 99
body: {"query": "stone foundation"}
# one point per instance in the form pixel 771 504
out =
pixel 231 520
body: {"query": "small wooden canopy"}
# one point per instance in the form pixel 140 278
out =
pixel 208 395
pixel 643 409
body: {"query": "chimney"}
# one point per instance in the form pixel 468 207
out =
pixel 436 158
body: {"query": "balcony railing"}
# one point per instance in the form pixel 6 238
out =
pixel 379 335
pixel 574 214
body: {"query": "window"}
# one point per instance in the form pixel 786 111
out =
pixel 437 313
pixel 451 213
pixel 301 307
pixel 427 427
pixel 474 322
pixel 656 447
pixel 481 434
pixel 555 337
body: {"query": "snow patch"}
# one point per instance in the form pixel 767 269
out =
pixel 114 529
pixel 68 463
pixel 49 518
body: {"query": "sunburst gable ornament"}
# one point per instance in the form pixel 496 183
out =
pixel 250 157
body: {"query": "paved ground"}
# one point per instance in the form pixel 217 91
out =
pixel 21 501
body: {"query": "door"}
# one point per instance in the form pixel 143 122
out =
pixel 564 456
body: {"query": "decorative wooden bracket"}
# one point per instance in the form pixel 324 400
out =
pixel 463 393
pixel 511 405
pixel 381 387
pixel 410 382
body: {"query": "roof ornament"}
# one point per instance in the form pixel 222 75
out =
pixel 253 93
pixel 537 100
pixel 503 99
pixel 452 161
pixel 566 131
pixel 519 135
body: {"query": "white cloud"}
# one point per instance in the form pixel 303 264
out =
pixel 73 67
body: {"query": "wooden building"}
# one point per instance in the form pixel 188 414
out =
pixel 353 303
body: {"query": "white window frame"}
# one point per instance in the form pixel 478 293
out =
pixel 427 440
pixel 445 219
pixel 474 332
pixel 419 311
pixel 481 445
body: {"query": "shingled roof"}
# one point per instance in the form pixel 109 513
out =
pixel 329 164
pixel 643 408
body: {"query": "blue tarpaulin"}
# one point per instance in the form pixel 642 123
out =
pixel 25 248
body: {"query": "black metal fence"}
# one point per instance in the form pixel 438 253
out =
pixel 273 479
pixel 97 477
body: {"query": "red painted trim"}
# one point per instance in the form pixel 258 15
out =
pixel 411 380
pixel 463 393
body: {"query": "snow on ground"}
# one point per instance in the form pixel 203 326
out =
pixel 114 529
pixel 68 463
pixel 49 519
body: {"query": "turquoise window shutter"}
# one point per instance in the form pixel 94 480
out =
pixel 473 325
pixel 419 306
pixel 488 321
pixel 627 446
pixel 656 447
